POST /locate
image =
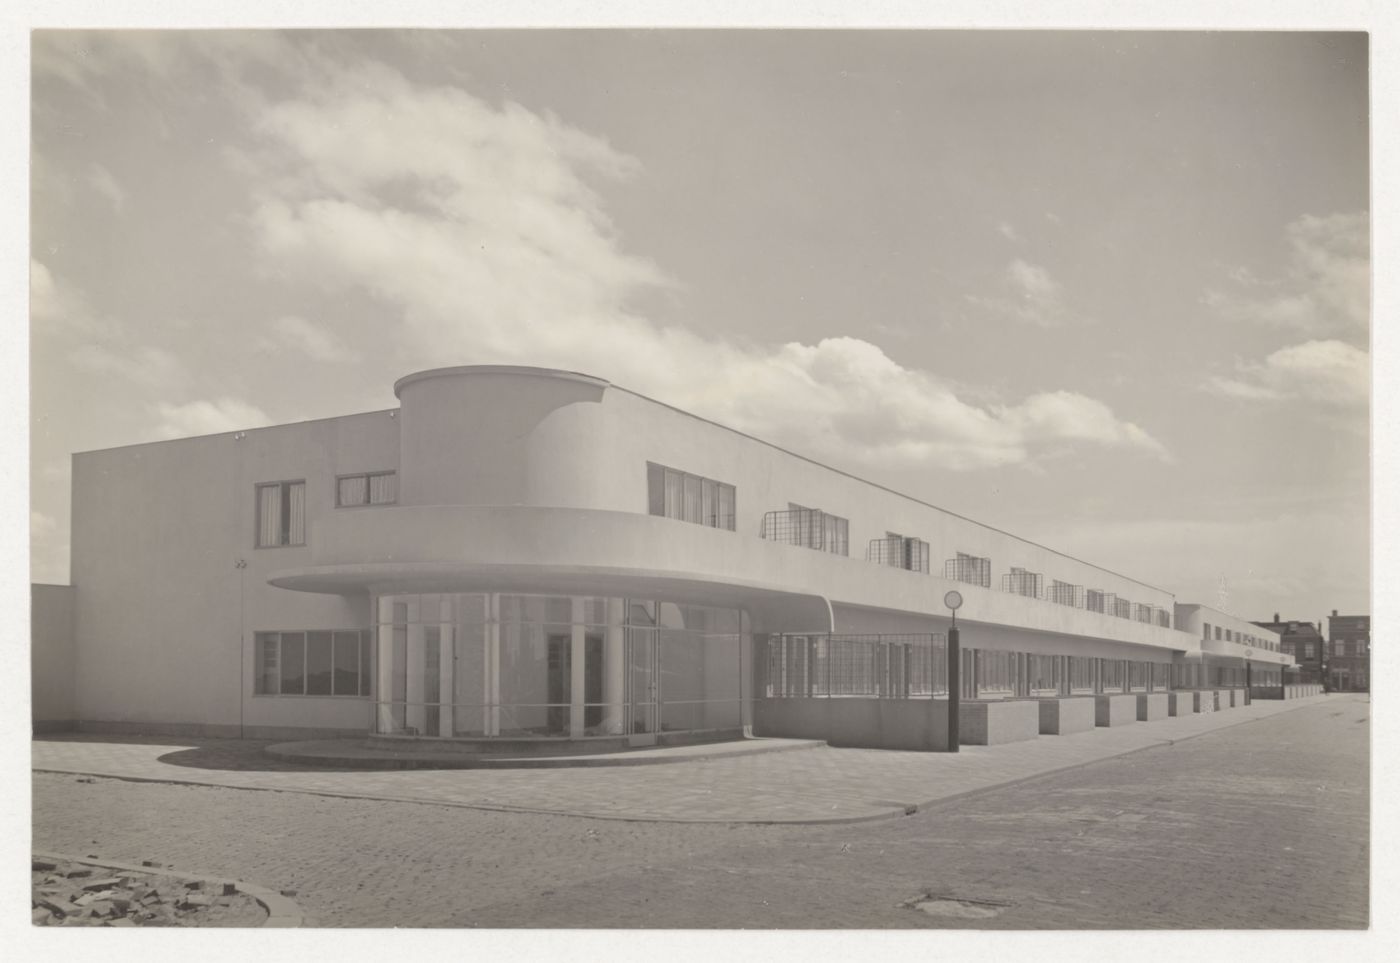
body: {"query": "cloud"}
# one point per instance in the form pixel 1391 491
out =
pixel 1034 297
pixel 1258 557
pixel 206 417
pixel 106 185
pixel 1327 286
pixel 1326 372
pixel 41 525
pixel 144 365
pixel 315 342
pixel 482 230
pixel 57 307
pixel 1008 231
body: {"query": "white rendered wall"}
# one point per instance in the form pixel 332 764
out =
pixel 1193 618
pixel 539 440
pixel 51 653
pixel 164 617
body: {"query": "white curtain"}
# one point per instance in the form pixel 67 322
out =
pixel 383 489
pixel 351 491
pixel 296 517
pixel 675 486
pixel 269 515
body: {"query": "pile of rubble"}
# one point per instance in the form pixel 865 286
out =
pixel 77 894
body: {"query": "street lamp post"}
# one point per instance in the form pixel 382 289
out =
pixel 953 600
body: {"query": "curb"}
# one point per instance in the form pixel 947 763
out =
pixel 282 912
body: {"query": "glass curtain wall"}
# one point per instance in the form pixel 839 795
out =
pixel 483 665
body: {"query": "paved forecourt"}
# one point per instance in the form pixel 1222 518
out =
pixel 811 786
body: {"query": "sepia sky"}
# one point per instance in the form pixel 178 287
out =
pixel 1108 291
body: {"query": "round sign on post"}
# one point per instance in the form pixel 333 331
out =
pixel 953 599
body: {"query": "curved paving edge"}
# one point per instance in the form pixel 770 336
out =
pixel 900 809
pixel 282 911
pixel 354 755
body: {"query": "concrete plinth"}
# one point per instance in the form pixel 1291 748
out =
pixel 919 725
pixel 1115 710
pixel 1203 700
pixel 1152 705
pixel 1060 717
pixel 992 723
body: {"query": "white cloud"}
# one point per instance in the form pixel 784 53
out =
pixel 1033 297
pixel 1008 231
pixel 1326 289
pixel 313 341
pixel 1258 557
pixel 106 185
pixel 144 365
pixel 207 417
pixel 1327 372
pixel 41 525
pixel 483 229
pixel 58 307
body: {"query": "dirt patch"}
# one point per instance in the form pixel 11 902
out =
pixel 71 893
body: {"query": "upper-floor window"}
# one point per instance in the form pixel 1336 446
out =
pixel 281 513
pixel 369 488
pixel 899 551
pixel 820 530
pixel 1205 630
pixel 972 569
pixel 690 498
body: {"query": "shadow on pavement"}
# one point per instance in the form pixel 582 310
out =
pixel 229 755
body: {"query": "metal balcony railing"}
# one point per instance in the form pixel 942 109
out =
pixel 910 554
pixel 1063 593
pixel 820 666
pixel 969 569
pixel 808 528
pixel 1020 582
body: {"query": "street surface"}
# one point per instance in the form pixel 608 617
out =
pixel 1225 830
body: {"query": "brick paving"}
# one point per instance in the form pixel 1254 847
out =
pixel 1228 830
pixel 813 785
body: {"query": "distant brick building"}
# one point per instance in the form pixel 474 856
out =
pixel 1303 641
pixel 1349 652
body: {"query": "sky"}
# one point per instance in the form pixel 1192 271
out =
pixel 1109 291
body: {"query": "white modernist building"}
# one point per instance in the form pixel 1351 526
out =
pixel 538 554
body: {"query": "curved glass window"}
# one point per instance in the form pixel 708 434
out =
pixel 486 665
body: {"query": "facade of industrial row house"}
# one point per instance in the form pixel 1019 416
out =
pixel 539 554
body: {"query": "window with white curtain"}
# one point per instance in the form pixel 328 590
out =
pixel 281 514
pixel 689 498
pixel 369 488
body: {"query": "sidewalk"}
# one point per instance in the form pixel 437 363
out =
pixel 821 785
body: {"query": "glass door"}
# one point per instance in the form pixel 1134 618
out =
pixel 643 686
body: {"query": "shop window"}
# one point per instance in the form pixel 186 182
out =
pixel 315 663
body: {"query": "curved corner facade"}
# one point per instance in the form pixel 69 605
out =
pixel 537 554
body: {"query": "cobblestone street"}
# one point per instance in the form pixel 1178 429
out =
pixel 1218 832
